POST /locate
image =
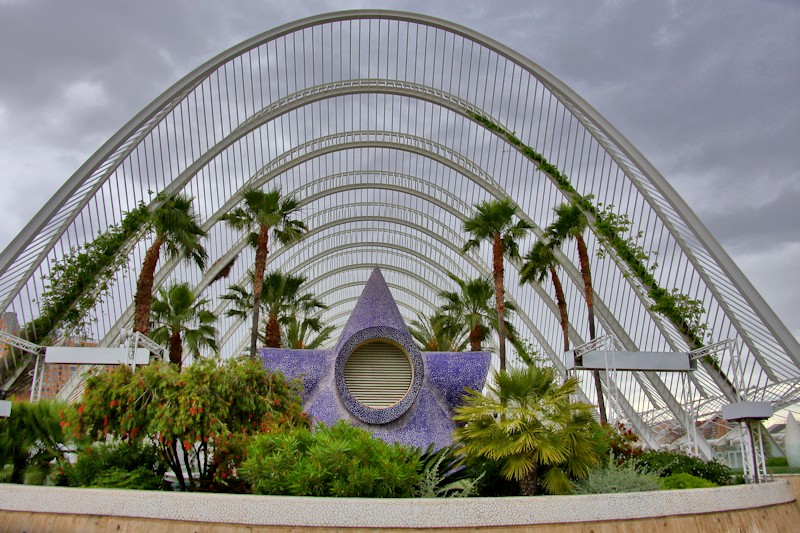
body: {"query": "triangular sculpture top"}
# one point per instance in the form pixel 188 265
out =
pixel 375 308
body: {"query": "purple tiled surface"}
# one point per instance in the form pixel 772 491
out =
pixel 423 416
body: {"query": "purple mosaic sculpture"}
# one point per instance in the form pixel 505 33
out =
pixel 423 416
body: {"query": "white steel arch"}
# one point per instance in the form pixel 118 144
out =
pixel 405 122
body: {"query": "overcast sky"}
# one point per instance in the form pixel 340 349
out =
pixel 708 91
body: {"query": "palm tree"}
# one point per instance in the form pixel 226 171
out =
pixel 570 223
pixel 472 305
pixel 177 311
pixel 439 332
pixel 537 264
pixel 176 227
pixel 529 424
pixel 265 212
pixel 305 333
pixel 494 222
pixel 282 299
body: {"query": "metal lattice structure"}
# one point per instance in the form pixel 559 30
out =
pixel 368 117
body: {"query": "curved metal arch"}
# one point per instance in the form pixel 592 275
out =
pixel 689 234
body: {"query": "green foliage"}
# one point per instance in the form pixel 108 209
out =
pixel 180 317
pixel 443 476
pixel 777 461
pixel 686 481
pixel 79 280
pixel 530 425
pixel 666 463
pixel 614 478
pixel 32 441
pixel 488 475
pixel 132 464
pixel 615 441
pixel 201 415
pixel 337 460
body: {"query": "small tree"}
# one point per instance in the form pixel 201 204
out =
pixel 531 426
pixel 200 417
pixel 181 317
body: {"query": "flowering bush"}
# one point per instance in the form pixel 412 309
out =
pixel 200 417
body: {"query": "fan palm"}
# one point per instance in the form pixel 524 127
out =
pixel 494 221
pixel 472 305
pixel 282 299
pixel 177 228
pixel 264 213
pixel 439 332
pixel 540 262
pixel 529 424
pixel 305 333
pixel 570 223
pixel 181 317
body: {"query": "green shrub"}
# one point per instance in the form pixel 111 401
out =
pixel 777 461
pixel 337 460
pixel 443 476
pixel 666 463
pixel 618 478
pixel 686 481
pixel 490 481
pixel 118 464
pixel 200 417
pixel 32 442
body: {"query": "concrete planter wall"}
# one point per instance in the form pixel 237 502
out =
pixel 17 500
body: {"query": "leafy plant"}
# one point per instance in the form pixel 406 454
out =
pixel 614 478
pixel 32 441
pixel 686 481
pixel 530 425
pixel 666 463
pixel 338 460
pixel 133 464
pixel 443 475
pixel 777 461
pixel 198 417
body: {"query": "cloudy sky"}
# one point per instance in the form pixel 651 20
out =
pixel 708 91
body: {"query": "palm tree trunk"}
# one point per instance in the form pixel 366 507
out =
pixel 528 483
pixel 272 337
pixel 258 281
pixel 583 256
pixel 497 270
pixel 144 287
pixel 475 338
pixel 176 348
pixel 562 306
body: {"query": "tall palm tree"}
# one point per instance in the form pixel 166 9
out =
pixel 540 262
pixel 472 305
pixel 262 213
pixel 439 332
pixel 570 223
pixel 181 317
pixel 176 227
pixel 529 424
pixel 495 222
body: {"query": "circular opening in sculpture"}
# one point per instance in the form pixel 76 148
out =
pixel 378 374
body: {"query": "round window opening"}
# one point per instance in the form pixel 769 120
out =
pixel 378 374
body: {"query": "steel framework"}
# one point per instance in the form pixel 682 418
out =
pixel 369 117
